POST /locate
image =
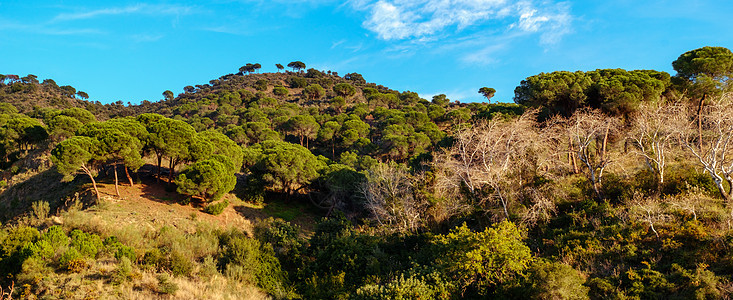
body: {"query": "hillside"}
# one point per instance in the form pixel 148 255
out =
pixel 309 185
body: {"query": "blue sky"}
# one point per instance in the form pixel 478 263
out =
pixel 133 51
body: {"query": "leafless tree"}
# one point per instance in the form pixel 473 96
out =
pixel 693 202
pixel 389 198
pixel 652 134
pixel 7 295
pixel 648 210
pixel 489 158
pixel 589 132
pixel 541 208
pixel 713 148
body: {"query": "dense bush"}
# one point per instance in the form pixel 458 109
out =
pixel 249 256
pixel 216 208
pixel 554 280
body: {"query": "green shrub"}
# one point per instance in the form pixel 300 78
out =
pixel 154 259
pixel 87 244
pixel 72 260
pixel 482 259
pixel 646 283
pixel 255 259
pixel 553 280
pixel 56 237
pixel 297 82
pixel 255 198
pixel 18 238
pixel 34 270
pixel 165 285
pixel 216 209
pixel 280 91
pixel 14 249
pixel 180 264
pixel 679 180
pixel 113 246
pixel 411 287
pixel 615 188
pixel 41 249
pixel 601 288
pixel 123 272
pixel 125 252
pixel 260 85
pixel 283 236
pixel 700 283
pixel 40 210
pixel 208 267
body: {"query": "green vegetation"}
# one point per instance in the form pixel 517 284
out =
pixel 593 185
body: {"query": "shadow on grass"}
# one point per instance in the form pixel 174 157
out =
pixel 45 186
pixel 158 190
pixel 296 210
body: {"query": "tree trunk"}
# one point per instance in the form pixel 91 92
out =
pixel 699 121
pixel 722 191
pixel 170 171
pixel 160 159
pixel 597 189
pixel 605 142
pixel 94 183
pixel 117 187
pixel 573 162
pixel 503 202
pixel 128 176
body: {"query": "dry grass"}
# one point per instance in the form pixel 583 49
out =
pixel 143 209
pixel 95 283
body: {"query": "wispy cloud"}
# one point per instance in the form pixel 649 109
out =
pixel 421 19
pixel 346 45
pixel 142 38
pixel 484 56
pixel 46 29
pixel 225 29
pixel 146 9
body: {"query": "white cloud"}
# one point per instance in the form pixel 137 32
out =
pixel 420 19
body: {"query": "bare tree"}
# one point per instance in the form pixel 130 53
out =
pixel 541 208
pixel 693 202
pixel 389 198
pixel 589 132
pixel 713 148
pixel 7 295
pixel 648 210
pixel 490 158
pixel 652 134
pixel 447 189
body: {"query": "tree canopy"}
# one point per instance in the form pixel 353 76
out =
pixel 296 65
pixel 283 166
pixel 209 179
pixel 616 91
pixel 704 70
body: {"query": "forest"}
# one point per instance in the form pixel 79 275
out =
pixel 304 184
